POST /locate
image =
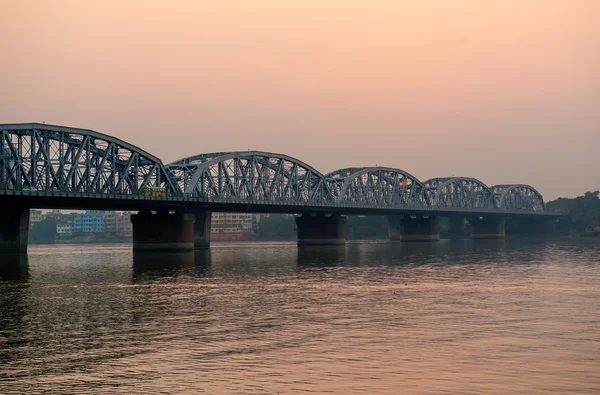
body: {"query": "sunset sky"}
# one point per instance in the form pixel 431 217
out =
pixel 506 91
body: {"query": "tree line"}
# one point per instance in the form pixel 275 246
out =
pixel 582 213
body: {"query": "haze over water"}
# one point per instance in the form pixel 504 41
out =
pixel 386 318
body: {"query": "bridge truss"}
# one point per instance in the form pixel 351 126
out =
pixel 252 176
pixel 517 197
pixel 39 159
pixel 44 158
pixel 459 192
pixel 377 185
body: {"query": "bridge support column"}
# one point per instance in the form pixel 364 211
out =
pixel 202 226
pixel 487 228
pixel 320 229
pixel 162 231
pixel 14 229
pixel 531 226
pixel 458 228
pixel 395 227
pixel 405 228
pixel 547 227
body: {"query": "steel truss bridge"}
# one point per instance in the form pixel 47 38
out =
pixel 54 166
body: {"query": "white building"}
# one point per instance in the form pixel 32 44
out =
pixel 64 229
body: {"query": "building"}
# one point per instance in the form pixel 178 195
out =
pixel 56 214
pixel 64 229
pixel 89 222
pixel 123 224
pixel 64 222
pixel 35 216
pixel 231 227
pixel 110 221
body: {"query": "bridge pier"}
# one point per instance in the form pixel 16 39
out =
pixel 546 227
pixel 162 231
pixel 487 228
pixel 395 227
pixel 320 229
pixel 202 229
pixel 531 227
pixel 458 228
pixel 420 228
pixel 14 230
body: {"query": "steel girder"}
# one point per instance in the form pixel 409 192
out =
pixel 250 176
pixel 459 192
pixel 45 158
pixel 182 170
pixel 197 159
pixel 383 186
pixel 518 197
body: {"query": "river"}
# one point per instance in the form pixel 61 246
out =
pixel 514 316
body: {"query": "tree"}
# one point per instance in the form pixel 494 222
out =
pixel 276 227
pixel 583 212
pixel 43 232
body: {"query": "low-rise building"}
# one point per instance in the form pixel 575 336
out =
pixel 64 229
pixel 35 216
pixel 110 221
pixel 232 226
pixel 123 224
pixel 89 222
pixel 56 214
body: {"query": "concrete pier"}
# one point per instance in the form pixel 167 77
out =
pixel 487 228
pixel 320 229
pixel 395 227
pixel 531 227
pixel 163 231
pixel 202 225
pixel 14 230
pixel 458 227
pixel 419 228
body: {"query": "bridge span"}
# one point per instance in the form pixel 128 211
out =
pixel 46 166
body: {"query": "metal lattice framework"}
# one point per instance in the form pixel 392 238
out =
pixel 62 162
pixel 518 197
pixel 44 158
pixel 382 186
pixel 460 192
pixel 252 176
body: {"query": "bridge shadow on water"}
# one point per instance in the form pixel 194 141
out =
pixel 321 256
pixel 258 260
pixel 14 268
pixel 445 252
pixel 372 253
pixel 14 288
pixel 148 266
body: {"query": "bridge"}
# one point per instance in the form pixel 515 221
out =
pixel 46 166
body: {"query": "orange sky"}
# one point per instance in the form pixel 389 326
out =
pixel 506 91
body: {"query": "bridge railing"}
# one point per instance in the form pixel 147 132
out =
pixel 297 205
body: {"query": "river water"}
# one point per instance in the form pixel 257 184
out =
pixel 368 318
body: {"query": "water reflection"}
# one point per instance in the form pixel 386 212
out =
pixel 14 267
pixel 148 266
pixel 14 284
pixel 321 256
pixel 273 317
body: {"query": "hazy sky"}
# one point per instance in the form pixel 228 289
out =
pixel 506 91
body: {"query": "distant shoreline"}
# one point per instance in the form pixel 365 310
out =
pixel 509 237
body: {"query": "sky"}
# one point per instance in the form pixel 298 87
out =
pixel 505 91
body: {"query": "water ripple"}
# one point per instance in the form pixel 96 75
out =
pixel 370 318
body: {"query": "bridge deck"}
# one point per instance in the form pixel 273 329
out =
pixel 98 201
